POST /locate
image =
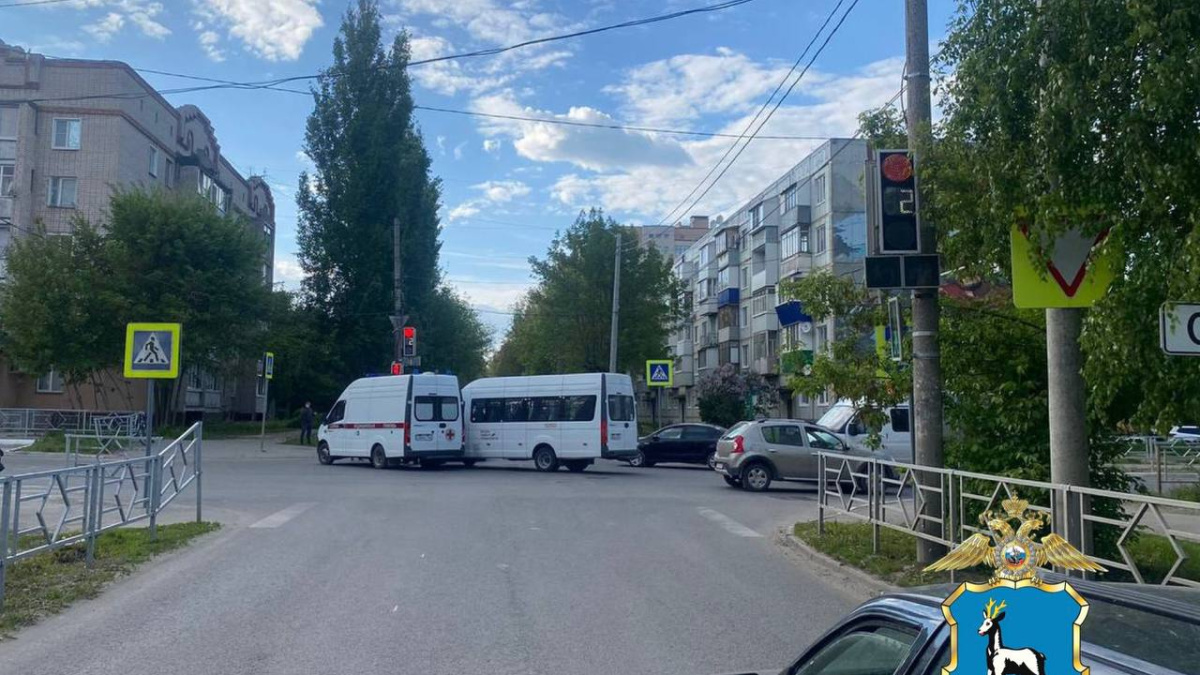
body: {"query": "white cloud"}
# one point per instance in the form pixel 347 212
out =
pixel 288 271
pixel 687 86
pixel 105 28
pixel 448 77
pixel 649 190
pixel 464 210
pixel 140 13
pixel 491 294
pixel 588 148
pixel 500 191
pixel 208 42
pixel 275 30
pixel 441 144
pixel 488 20
pixel 491 146
pixel 458 150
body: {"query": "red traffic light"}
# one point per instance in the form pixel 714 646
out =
pixel 410 332
pixel 897 167
pixel 396 368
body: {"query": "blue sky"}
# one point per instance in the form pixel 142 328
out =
pixel 509 185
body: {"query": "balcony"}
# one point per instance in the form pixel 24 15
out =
pixel 790 314
pixel 768 275
pixel 795 362
pixel 767 366
pixel 706 306
pixel 707 340
pixel 685 378
pixel 764 322
pixel 727 334
pixel 728 296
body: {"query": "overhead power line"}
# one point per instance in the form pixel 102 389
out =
pixel 778 103
pixel 32 2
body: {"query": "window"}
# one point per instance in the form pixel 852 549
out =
pixel 823 399
pixel 820 236
pixel 8 133
pixel 487 410
pixel 154 162
pixel 62 191
pixel 545 409
pixel 877 651
pixel 670 434
pixel 169 177
pixel 704 254
pixel 783 434
pixel 621 408
pixel 337 413
pixel 745 316
pixel 50 383
pixel 791 198
pixel 66 134
pixel 822 440
pixel 819 190
pixel 745 277
pixel 900 420
pixel 757 215
pixel 789 243
pixel 723 278
pixel 579 408
pixel 820 338
pixel 802 244
pixel 8 172
pixel 435 408
pixel 516 410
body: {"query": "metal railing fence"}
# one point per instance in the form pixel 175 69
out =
pixel 43 420
pixel 47 510
pixel 943 506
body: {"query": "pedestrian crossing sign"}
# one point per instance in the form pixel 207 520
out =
pixel 660 373
pixel 269 365
pixel 152 350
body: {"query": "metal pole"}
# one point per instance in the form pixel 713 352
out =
pixel 147 481
pixel 1068 428
pixel 397 290
pixel 4 516
pixel 197 465
pixel 262 432
pixel 927 368
pixel 821 493
pixel 156 485
pixel 616 308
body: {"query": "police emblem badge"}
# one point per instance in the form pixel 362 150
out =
pixel 1028 627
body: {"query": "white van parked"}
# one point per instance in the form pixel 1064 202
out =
pixel 552 419
pixel 405 418
pixel 895 436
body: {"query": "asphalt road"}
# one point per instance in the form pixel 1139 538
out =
pixel 496 569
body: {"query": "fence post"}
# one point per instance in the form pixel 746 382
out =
pixel 95 480
pixel 196 466
pixel 874 484
pixel 821 493
pixel 4 513
pixel 155 491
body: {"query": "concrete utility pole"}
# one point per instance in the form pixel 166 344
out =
pixel 398 318
pixel 1067 405
pixel 612 343
pixel 927 366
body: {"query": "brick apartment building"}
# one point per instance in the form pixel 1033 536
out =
pixel 71 131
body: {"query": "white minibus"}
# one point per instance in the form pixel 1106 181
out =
pixel 568 420
pixel 406 418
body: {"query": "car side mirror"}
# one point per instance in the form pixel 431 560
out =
pixel 852 429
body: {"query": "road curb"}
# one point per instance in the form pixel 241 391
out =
pixel 857 582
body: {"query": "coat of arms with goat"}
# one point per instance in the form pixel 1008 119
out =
pixel 1015 624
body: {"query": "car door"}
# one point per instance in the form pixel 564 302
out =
pixel 864 648
pixel 664 445
pixel 785 448
pixel 698 442
pixel 335 434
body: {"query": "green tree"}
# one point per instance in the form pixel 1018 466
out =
pixel 457 340
pixel 729 395
pixel 370 169
pixel 162 257
pixel 563 324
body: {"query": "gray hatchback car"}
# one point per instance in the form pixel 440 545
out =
pixel 753 454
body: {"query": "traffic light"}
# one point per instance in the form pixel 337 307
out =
pixel 410 341
pixel 899 217
pixel 397 369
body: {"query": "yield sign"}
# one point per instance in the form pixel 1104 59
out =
pixel 1072 276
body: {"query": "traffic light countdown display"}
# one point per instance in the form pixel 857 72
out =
pixel 899 262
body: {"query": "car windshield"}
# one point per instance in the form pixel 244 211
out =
pixel 836 417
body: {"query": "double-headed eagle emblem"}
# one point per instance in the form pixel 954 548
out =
pixel 1015 555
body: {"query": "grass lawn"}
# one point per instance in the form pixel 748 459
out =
pixel 222 429
pixel 1190 493
pixel 896 562
pixel 51 442
pixel 47 584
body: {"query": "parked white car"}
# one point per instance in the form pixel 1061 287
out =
pixel 403 418
pixel 895 436
pixel 571 420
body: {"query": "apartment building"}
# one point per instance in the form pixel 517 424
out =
pixel 672 240
pixel 72 131
pixel 811 218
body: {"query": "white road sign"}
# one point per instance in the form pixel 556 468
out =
pixel 1179 328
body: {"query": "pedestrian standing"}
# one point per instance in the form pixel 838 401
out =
pixel 306 422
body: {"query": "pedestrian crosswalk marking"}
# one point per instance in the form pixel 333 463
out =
pixel 151 353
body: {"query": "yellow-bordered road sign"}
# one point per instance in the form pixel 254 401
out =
pixel 269 365
pixel 1074 275
pixel 660 373
pixel 152 350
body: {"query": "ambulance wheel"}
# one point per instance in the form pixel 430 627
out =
pixel 323 455
pixel 378 459
pixel 468 463
pixel 544 458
